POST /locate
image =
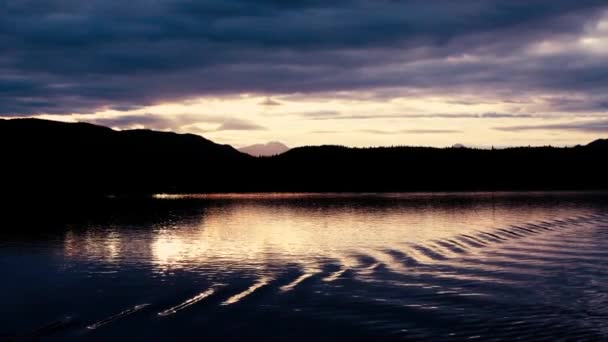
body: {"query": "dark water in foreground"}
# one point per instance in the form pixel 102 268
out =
pixel 483 266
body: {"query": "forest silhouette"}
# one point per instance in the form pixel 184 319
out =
pixel 47 157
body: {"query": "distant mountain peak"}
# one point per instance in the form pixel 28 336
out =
pixel 264 150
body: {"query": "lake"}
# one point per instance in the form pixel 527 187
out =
pixel 308 267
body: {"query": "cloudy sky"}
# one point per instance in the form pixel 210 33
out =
pixel 350 72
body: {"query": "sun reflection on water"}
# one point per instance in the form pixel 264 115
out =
pixel 260 233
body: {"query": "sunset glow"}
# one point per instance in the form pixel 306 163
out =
pixel 503 79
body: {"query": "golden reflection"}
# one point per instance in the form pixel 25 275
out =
pixel 336 275
pixel 118 316
pixel 298 280
pixel 173 310
pixel 104 246
pixel 239 296
pixel 263 234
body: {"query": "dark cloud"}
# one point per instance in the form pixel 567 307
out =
pixel 330 115
pixel 151 121
pixel 505 115
pixel 593 126
pixel 579 104
pixel 321 114
pixel 72 56
pixel 239 125
pixel 270 102
pixel 177 122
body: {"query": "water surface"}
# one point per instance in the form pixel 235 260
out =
pixel 446 266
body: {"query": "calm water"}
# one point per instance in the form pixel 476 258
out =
pixel 488 266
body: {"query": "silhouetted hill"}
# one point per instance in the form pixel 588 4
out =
pixel 78 156
pixel 65 158
pixel 337 168
pixel 600 143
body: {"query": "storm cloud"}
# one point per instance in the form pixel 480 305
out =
pixel 73 56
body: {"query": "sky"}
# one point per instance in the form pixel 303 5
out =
pixel 312 72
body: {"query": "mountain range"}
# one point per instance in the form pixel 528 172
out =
pixel 42 157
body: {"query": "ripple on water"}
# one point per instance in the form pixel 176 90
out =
pixel 410 268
